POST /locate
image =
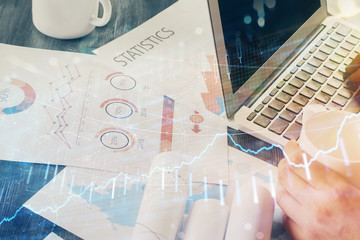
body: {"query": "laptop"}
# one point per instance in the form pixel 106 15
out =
pixel 277 56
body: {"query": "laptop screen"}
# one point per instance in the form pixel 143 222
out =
pixel 255 29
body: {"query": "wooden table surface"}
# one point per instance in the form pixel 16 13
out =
pixel 16 25
pixel 16 28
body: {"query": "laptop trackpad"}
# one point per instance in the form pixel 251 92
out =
pixel 254 146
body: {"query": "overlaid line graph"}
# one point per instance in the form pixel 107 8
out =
pixel 136 179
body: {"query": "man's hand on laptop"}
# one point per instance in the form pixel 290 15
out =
pixel 320 205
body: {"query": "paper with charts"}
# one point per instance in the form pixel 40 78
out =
pixel 179 55
pixel 70 109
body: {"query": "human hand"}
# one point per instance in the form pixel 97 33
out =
pixel 320 206
pixel 353 70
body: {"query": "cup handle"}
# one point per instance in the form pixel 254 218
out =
pixel 99 22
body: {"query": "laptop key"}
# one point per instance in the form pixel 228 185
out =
pixel 315 101
pixel 336 25
pixel 294 70
pixel 343 30
pixel 346 93
pixel 356 34
pixel 330 31
pixel 339 100
pixel 251 116
pixel 309 69
pixel 274 92
pixel 287 115
pixel 326 49
pixel 293 133
pixel 300 63
pixel 296 83
pixel 318 43
pixel 287 77
pixel 347 62
pixel 270 113
pixel 322 97
pixel 303 76
pixel 301 100
pixel 339 76
pixel 262 121
pixel 347 46
pixel 337 58
pixel 342 52
pixel 290 90
pixel 337 37
pixel 332 106
pixel 352 40
pixel 259 108
pixel 277 105
pixel 299 120
pixel 313 86
pixel 283 97
pixel 294 107
pixel 335 83
pixel 313 49
pixel 307 56
pixel 331 43
pixel 319 78
pixel 357 49
pixel 354 104
pixel 326 72
pixel 321 56
pixel 306 92
pixel 278 126
pixel 331 65
pixel 353 55
pixel 329 90
pixel 324 37
pixel 266 100
pixel 281 84
pixel 315 62
pixel 342 69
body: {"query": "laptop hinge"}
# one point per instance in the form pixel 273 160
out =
pixel 275 75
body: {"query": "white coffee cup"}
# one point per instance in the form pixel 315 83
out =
pixel 69 19
pixel 333 137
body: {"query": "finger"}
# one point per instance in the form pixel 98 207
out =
pixel 310 170
pixel 293 184
pixel 287 203
pixel 354 65
pixel 355 77
pixel 293 228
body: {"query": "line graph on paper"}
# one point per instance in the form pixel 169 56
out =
pixel 61 89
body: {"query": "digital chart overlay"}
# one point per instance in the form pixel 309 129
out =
pixel 28 101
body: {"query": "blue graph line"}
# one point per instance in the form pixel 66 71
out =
pixel 11 218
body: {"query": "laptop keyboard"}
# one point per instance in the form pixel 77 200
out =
pixel 317 78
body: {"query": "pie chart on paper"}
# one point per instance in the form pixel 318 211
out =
pixel 12 93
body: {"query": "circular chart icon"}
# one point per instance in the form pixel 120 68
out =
pixel 9 95
pixel 121 81
pixel 119 110
pixel 115 140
